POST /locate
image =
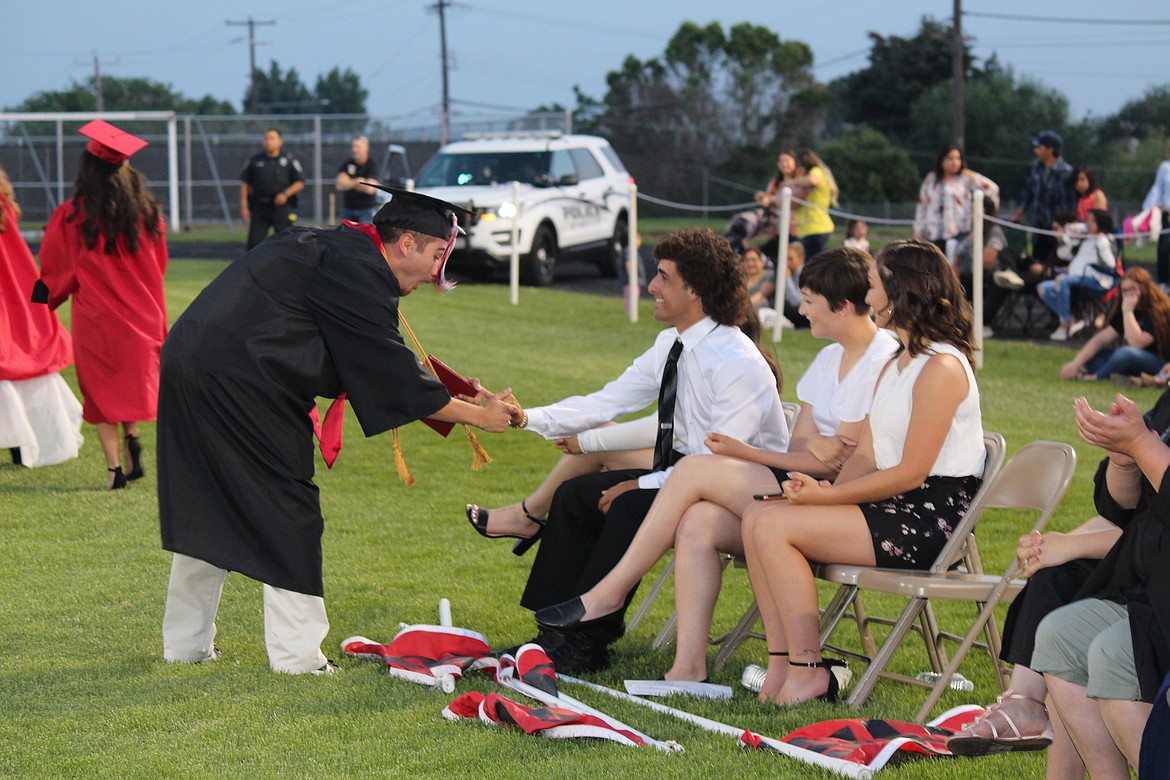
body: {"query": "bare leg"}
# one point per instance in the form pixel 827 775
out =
pixel 108 436
pixel 1082 718
pixel 1126 720
pixel 704 534
pixel 728 482
pixel 512 520
pixel 777 641
pixel 1064 762
pixel 780 541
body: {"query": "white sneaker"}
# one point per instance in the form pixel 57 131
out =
pixel 1008 279
pixel 1060 334
pixel 1076 326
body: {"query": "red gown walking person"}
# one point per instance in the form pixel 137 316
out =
pixel 106 247
pixel 40 419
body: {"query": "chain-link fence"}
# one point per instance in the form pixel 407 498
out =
pixel 41 156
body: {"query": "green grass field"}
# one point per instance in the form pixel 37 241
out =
pixel 85 693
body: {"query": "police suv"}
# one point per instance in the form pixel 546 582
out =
pixel 574 199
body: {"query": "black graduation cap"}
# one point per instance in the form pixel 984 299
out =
pixel 421 213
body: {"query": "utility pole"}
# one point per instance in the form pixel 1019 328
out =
pixel 441 5
pixel 958 75
pixel 252 43
pixel 97 76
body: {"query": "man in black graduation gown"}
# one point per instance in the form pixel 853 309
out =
pixel 311 312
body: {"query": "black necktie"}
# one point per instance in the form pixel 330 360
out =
pixel 664 446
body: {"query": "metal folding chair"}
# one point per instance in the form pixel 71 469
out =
pixel 1035 479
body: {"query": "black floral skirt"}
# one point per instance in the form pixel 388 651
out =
pixel 910 530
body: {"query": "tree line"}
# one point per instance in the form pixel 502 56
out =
pixel 719 104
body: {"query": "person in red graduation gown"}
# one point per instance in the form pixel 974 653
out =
pixel 40 420
pixel 106 248
pixel 308 312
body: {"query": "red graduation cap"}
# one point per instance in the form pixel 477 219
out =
pixel 109 143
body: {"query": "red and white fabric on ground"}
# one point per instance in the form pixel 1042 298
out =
pixel 548 721
pixel 871 742
pixel 428 655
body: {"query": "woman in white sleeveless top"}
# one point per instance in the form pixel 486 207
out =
pixel 912 477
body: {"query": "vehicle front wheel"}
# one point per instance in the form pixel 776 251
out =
pixel 539 266
pixel 614 255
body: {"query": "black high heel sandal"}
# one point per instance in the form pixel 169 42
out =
pixel 478 517
pixel 134 449
pixel 119 478
pixel 523 545
pixel 828 665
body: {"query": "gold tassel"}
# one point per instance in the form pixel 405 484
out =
pixel 480 458
pixel 400 461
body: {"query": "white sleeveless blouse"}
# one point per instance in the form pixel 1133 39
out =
pixel 962 453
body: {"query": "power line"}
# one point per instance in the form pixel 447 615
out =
pixel 1065 19
pixel 252 53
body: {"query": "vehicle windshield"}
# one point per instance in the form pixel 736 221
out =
pixel 479 168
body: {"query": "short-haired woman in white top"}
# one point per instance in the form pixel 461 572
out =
pixel 916 468
pixel 698 509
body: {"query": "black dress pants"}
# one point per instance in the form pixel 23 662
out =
pixel 580 544
pixel 266 216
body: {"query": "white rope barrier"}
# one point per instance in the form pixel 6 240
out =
pixel 1150 234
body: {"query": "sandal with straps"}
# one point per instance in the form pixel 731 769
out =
pixel 478 517
pixel 830 665
pixel 982 737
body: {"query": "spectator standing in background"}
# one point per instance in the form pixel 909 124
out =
pixel 268 193
pixel 813 223
pixel 1047 191
pixel 1159 196
pixel 769 197
pixel 946 203
pixel 358 201
pixel 1089 195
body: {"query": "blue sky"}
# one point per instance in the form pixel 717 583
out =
pixel 524 53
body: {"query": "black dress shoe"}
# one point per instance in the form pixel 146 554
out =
pixel 561 616
pixel 548 641
pixel 581 652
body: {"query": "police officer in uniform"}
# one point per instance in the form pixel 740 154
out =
pixel 358 202
pixel 268 194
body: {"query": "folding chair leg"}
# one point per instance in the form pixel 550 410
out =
pixel 667 634
pixel 985 616
pixel 644 607
pixel 741 631
pixel 865 684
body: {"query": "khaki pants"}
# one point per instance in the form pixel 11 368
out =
pixel 294 623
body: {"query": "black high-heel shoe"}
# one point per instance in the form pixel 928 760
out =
pixel 119 478
pixel 134 449
pixel 478 517
pixel 523 545
pixel 828 665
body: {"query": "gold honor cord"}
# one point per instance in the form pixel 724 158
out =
pixel 479 454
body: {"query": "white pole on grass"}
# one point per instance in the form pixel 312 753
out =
pixel 836 765
pixel 977 275
pixel 782 260
pixel 514 261
pixel 632 253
